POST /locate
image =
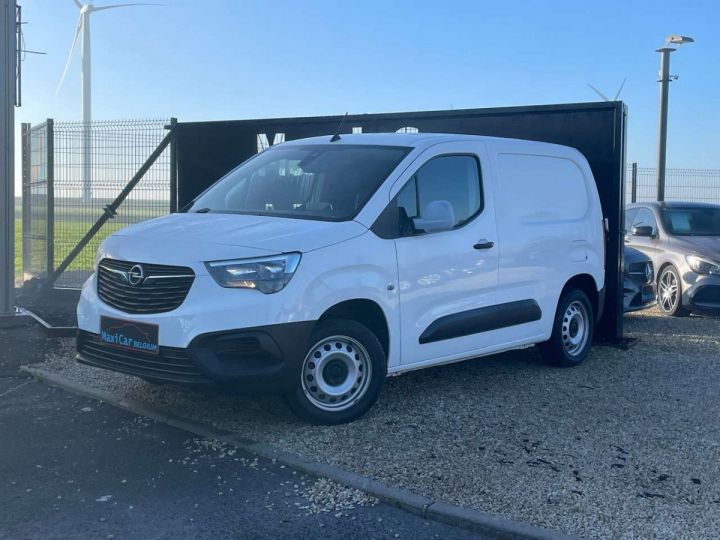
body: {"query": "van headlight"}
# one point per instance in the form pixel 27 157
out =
pixel 701 265
pixel 266 274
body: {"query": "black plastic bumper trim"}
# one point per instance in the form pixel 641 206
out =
pixel 601 304
pixel 258 360
pixel 706 297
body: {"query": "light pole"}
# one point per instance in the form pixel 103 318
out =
pixel 664 81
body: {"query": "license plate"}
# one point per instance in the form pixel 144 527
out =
pixel 130 335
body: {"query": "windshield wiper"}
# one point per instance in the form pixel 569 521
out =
pixel 202 211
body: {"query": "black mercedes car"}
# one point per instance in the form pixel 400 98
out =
pixel 638 281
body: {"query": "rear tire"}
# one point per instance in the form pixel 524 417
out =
pixel 341 376
pixel 572 331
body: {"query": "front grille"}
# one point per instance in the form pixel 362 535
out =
pixel 162 288
pixel 641 270
pixel 170 364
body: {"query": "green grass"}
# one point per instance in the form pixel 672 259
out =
pixel 67 234
pixel 72 220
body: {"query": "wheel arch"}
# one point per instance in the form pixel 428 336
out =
pixel 586 283
pixel 663 266
pixel 366 312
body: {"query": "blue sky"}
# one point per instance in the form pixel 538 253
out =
pixel 232 59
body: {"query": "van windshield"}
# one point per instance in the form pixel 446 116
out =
pixel 326 182
pixel 692 221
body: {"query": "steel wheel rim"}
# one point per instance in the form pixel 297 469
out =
pixel 575 328
pixel 336 373
pixel 668 291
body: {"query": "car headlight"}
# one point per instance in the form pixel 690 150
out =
pixel 701 265
pixel 266 274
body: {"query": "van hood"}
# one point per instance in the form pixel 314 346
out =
pixel 271 234
pixel 705 246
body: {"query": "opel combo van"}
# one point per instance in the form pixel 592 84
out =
pixel 320 266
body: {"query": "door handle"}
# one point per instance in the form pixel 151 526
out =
pixel 484 244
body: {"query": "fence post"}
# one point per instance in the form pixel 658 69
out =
pixel 25 167
pixel 8 66
pixel 633 193
pixel 173 167
pixel 50 199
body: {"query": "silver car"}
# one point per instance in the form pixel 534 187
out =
pixel 683 241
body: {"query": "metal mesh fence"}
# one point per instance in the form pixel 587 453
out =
pixel 35 188
pixel 92 164
pixel 696 185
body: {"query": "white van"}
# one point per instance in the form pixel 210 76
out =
pixel 320 266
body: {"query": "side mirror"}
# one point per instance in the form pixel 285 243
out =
pixel 438 216
pixel 643 230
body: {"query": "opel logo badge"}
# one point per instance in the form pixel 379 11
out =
pixel 135 275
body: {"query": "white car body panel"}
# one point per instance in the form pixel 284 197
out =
pixel 414 280
pixel 441 274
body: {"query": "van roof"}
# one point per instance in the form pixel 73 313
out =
pixel 395 139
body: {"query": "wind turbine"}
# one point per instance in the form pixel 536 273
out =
pixel 603 96
pixel 83 27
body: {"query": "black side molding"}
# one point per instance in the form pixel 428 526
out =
pixel 482 319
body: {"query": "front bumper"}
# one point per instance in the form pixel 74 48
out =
pixel 260 360
pixel 638 295
pixel 701 292
pixel 239 338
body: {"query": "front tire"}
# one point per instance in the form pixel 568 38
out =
pixel 670 293
pixel 572 332
pixel 341 376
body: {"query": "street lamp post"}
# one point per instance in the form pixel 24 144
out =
pixel 664 81
pixel 662 120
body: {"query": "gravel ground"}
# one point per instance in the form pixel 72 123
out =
pixel 625 446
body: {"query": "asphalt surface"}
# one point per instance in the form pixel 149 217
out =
pixel 72 467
